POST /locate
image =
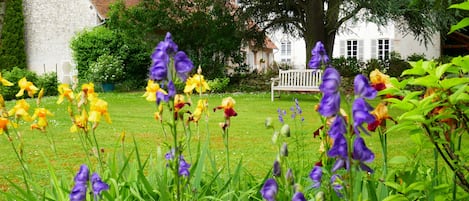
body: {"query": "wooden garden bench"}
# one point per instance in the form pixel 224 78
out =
pixel 296 80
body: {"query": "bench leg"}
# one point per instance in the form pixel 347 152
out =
pixel 272 95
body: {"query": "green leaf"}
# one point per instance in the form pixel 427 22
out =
pixel 404 105
pixel 461 24
pixel 417 186
pixel 440 70
pixel 398 160
pixel 459 96
pixel 451 82
pixel 416 69
pixel 463 6
pixel 427 81
pixel 394 185
pixel 462 63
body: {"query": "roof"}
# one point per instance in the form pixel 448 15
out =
pixel 102 6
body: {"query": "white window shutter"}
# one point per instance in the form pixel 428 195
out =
pixel 374 49
pixel 342 48
pixel 360 50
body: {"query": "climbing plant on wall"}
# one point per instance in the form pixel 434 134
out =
pixel 12 47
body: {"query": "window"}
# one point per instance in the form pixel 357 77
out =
pixel 286 48
pixel 352 49
pixel 286 60
pixel 383 49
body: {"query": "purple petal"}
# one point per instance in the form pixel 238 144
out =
pixel 159 70
pixel 330 81
pixel 361 114
pixel 98 185
pixel 362 87
pixel 318 56
pixel 171 89
pixel 329 105
pixel 184 167
pixel 336 184
pixel 269 190
pixel 183 65
pixel 339 148
pixel 338 127
pixel 298 197
pixel 83 174
pixel 171 46
pixel 78 192
pixel 277 169
pixel 316 175
pixel 361 152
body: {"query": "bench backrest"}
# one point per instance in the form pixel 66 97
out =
pixel 300 78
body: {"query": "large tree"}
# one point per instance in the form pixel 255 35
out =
pixel 320 20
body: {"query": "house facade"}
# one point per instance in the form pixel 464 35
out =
pixel 363 41
pixel 49 28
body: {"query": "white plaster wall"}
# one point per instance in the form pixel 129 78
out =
pixel 298 49
pixel 49 28
pixel 407 45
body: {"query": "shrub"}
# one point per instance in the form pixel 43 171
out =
pixel 347 67
pixel 416 57
pixel 218 85
pixel 49 82
pixel 12 48
pixel 14 76
pixel 397 65
pixel 107 69
pixel 373 64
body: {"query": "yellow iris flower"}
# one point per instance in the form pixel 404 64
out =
pixel 151 90
pixel 98 108
pixel 379 80
pixel 80 121
pixel 227 105
pixel 41 114
pixel 25 85
pixel 196 82
pixel 4 81
pixel 65 92
pixel 20 110
pixel 199 110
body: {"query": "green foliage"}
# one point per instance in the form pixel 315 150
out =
pixel 439 111
pixel 49 82
pixel 347 67
pixel 206 30
pixel 465 21
pixel 12 46
pixel 396 65
pixel 218 85
pixel 14 76
pixel 89 45
pixel 107 69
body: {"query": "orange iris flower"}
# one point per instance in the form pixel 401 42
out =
pixel 381 114
pixel 151 90
pixel 65 92
pixel 379 80
pixel 196 82
pixel 98 108
pixel 3 124
pixel 41 114
pixel 25 85
pixel 20 110
pixel 227 105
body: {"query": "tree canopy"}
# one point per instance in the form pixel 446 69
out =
pixel 320 20
pixel 12 46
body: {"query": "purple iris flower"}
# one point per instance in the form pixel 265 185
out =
pixel 277 169
pixel 183 167
pixel 363 88
pixel 335 181
pixel 318 56
pixel 362 154
pixel 83 174
pixel 170 155
pixel 338 127
pixel 78 192
pixel 361 114
pixel 329 104
pixel 183 65
pixel 269 190
pixel 298 197
pixel 98 185
pixel 330 81
pixel 289 176
pixel 316 175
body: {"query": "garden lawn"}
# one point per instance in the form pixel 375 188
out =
pixel 249 139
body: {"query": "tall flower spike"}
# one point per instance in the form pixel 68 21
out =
pixel 318 56
pixel 160 58
pixel 269 190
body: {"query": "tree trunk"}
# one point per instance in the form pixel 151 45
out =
pixel 314 27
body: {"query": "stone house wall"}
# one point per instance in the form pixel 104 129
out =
pixel 49 27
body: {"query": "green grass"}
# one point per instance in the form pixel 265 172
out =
pixel 249 139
